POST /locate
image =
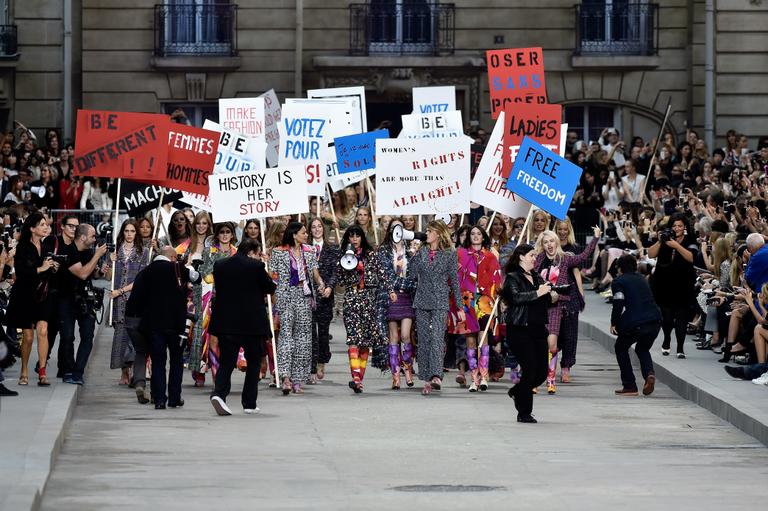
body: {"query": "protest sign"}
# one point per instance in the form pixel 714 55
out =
pixel 515 76
pixel 489 186
pixel 121 144
pixel 192 154
pixel 140 198
pixel 237 153
pixel 242 115
pixel 258 193
pixel 355 94
pixel 422 176
pixel 440 125
pixel 539 122
pixel 271 120
pixel 430 100
pixel 543 178
pixel 197 200
pixel 355 153
pixel 476 152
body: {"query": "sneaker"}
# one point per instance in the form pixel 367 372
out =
pixel 251 411
pixel 220 406
pixel 473 387
pixel 681 355
pixel 527 419
pixel 6 392
pixel 141 395
pixel 483 384
pixel 68 378
pixel 665 352
pixel 761 380
pixel 626 392
pixel 650 384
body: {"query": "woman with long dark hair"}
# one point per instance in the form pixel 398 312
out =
pixel 327 255
pixel 127 261
pixel 179 233
pixel 295 264
pixel 435 269
pixel 479 279
pixel 528 296
pixel 29 306
pixel 361 315
pixel 674 279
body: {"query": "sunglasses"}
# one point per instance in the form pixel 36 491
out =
pixel 518 226
pixel 180 220
pixel 225 232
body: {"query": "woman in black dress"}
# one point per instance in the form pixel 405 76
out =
pixel 30 306
pixel 528 297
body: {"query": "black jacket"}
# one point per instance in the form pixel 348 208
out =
pixel 518 294
pixel 241 285
pixel 633 303
pixel 165 296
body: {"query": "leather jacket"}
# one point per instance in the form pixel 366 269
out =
pixel 519 293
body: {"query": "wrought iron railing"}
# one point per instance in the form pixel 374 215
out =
pixel 618 29
pixel 207 29
pixel 8 40
pixel 413 28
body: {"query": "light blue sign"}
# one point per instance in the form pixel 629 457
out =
pixel 357 152
pixel 543 178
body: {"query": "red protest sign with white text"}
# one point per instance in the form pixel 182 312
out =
pixel 515 76
pixel 121 144
pixel 539 122
pixel 191 157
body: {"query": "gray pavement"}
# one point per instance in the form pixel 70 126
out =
pixel 330 449
pixel 699 377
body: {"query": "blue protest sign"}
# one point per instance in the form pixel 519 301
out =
pixel 357 152
pixel 543 178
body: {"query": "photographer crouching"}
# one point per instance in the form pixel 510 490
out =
pixel 79 301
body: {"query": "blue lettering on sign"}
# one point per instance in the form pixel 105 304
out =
pixel 355 153
pixel 436 107
pixel 543 178
pixel 302 127
pixel 524 82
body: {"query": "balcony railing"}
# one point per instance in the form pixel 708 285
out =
pixel 206 29
pixel 622 29
pixel 8 46
pixel 410 28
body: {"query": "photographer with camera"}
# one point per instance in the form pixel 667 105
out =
pixel 78 303
pixel 9 348
pixel 673 281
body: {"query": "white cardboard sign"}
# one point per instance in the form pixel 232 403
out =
pixel 431 100
pixel 271 121
pixel 237 153
pixel 432 125
pixel 356 94
pixel 422 176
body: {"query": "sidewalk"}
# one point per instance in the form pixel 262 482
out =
pixel 698 378
pixel 32 429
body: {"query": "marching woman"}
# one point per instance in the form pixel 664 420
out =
pixel 361 314
pixel 435 270
pixel 222 246
pixel 399 314
pixel 202 230
pixel 327 259
pixel 479 280
pixel 527 296
pixel 295 264
pixel 538 224
pixel 180 233
pixel 128 260
pixel 555 267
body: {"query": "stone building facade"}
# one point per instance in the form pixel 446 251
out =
pixel 609 62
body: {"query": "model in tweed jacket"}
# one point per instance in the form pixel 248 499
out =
pixel 435 268
pixel 327 260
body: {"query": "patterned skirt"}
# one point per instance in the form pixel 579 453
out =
pixel 361 318
pixel 402 308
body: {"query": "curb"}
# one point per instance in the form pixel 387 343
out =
pixel 742 415
pixel 46 446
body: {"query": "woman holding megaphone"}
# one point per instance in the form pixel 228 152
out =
pixel 362 275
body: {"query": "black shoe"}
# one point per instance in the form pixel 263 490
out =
pixel 177 405
pixel 159 406
pixel 528 419
pixel 735 372
pixel 6 392
pixel 511 392
pixel 726 353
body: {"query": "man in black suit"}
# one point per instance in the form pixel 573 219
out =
pixel 239 319
pixel 164 316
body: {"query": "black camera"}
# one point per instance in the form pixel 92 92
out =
pixel 562 290
pixel 90 299
pixel 666 235
pixel 59 258
pixel 104 232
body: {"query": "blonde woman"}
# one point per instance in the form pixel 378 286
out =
pixel 435 269
pixel 202 230
pixel 363 219
pixel 539 223
pixel 555 267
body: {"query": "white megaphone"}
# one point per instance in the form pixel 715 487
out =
pixel 38 190
pixel 399 233
pixel 349 259
pixel 443 217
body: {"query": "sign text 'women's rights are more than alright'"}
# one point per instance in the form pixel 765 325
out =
pixel 238 196
pixel 422 176
pixel 543 178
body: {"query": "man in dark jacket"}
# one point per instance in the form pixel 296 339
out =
pixel 163 318
pixel 239 319
pixel 635 319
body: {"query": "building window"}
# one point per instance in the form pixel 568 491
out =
pixel 196 28
pixel 616 27
pixel 416 27
pixel 196 113
pixel 589 121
